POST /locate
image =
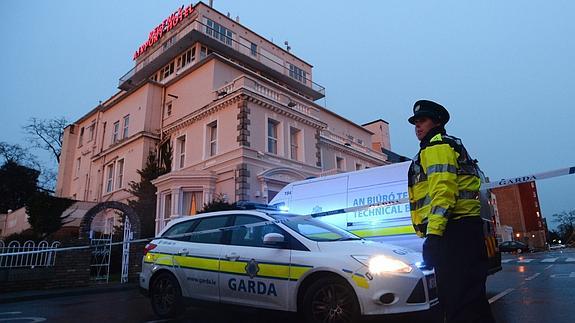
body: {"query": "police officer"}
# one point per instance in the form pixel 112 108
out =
pixel 444 198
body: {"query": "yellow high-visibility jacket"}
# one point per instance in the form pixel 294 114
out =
pixel 443 183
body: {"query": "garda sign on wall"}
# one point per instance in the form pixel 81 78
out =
pixel 166 25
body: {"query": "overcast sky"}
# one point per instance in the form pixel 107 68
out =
pixel 504 69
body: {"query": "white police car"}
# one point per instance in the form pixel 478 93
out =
pixel 294 264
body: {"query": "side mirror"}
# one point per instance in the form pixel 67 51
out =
pixel 274 239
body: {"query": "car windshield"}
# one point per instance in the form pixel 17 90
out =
pixel 314 229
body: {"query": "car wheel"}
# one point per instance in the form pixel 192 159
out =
pixel 330 300
pixel 166 296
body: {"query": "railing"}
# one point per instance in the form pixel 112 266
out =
pixel 32 255
pixel 351 144
pixel 237 46
pixel 267 92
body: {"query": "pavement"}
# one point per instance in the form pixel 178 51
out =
pixel 20 296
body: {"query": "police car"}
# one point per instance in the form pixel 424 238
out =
pixel 273 260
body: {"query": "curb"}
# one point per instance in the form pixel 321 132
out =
pixel 42 294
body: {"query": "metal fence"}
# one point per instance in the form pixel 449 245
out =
pixel 32 255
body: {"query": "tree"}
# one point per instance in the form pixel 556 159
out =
pixel 17 184
pixel 566 226
pixel 18 154
pixel 145 192
pixel 45 213
pixel 23 157
pixel 47 134
pixel 219 203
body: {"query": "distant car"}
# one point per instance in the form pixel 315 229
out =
pixel 514 246
pixel 556 246
pixel 290 264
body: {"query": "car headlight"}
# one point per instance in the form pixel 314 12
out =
pixel 382 264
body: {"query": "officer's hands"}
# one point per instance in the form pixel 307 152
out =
pixel 431 247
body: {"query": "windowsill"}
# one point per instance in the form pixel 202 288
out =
pixel 114 191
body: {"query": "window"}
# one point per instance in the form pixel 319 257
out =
pixel 126 125
pixel 78 163
pixel 91 129
pixel 167 206
pixel 339 163
pixel 181 151
pixel 167 70
pixel 297 73
pixel 358 166
pixel 116 132
pixel 212 136
pixel 120 173
pixel 179 229
pixel 168 43
pixel 169 109
pixel 109 178
pixel 294 135
pixel 81 139
pixel 316 230
pixel 210 224
pixel 254 49
pixel 188 57
pixel 272 136
pixel 253 236
pixel 219 32
pixel 192 202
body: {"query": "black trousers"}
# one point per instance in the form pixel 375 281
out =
pixel 462 272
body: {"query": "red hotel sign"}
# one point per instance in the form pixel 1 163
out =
pixel 164 27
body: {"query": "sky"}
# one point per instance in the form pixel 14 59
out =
pixel 504 69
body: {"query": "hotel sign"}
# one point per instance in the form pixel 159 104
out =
pixel 164 27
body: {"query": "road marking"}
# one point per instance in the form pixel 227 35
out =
pixel 570 260
pixel 547 267
pixel 525 260
pixel 533 277
pixel 506 261
pixel 498 296
pixel 26 319
pixel 571 275
pixel 549 259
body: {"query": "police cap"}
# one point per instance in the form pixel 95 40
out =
pixel 430 109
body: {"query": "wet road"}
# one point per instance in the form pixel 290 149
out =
pixel 534 287
pixel 537 287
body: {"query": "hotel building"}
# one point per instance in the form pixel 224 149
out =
pixel 236 113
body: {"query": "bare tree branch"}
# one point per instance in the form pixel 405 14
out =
pixel 47 134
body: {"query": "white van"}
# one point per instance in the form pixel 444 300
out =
pixel 370 186
pixel 364 187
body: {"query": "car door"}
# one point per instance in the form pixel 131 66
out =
pixel 252 273
pixel 199 258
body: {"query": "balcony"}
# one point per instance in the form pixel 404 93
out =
pixel 226 47
pixel 263 89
